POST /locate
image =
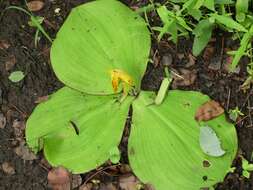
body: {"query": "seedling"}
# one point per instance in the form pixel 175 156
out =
pixel 99 65
pixel 34 22
pixel 247 168
pixel 234 114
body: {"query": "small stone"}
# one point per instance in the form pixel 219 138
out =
pixel 23 152
pixel 128 182
pixel 2 121
pixel 8 168
pixel 167 60
pixel 215 64
pixel 10 63
pixel 76 181
pixel 87 186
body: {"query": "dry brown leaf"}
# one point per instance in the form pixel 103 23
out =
pixel 191 61
pixel 148 187
pixel 4 44
pixel 208 111
pixel 35 5
pixel 10 63
pixel 59 179
pixel 19 128
pixel 8 168
pixel 208 53
pixel 41 99
pixel 2 121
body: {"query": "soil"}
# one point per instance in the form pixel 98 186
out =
pixel 17 100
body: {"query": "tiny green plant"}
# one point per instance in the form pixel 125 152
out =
pixel 83 122
pixel 16 76
pixel 35 21
pixel 235 113
pixel 247 168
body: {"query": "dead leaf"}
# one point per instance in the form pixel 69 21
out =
pixel 183 78
pixel 24 152
pixel 76 181
pixel 148 187
pixel 208 111
pixel 208 53
pixel 2 121
pixel 35 5
pixel 41 99
pixel 4 44
pixel 59 179
pixel 125 168
pixel 191 61
pixel 10 63
pixel 128 182
pixel 87 186
pixel 8 168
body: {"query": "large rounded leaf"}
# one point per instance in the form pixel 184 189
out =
pixel 164 147
pixel 96 38
pixel 78 131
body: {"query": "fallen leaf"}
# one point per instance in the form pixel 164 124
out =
pixel 35 5
pixel 76 181
pixel 59 179
pixel 128 182
pixel 4 44
pixel 191 61
pixel 16 76
pixel 9 64
pixel 2 121
pixel 149 187
pixel 125 168
pixel 208 53
pixel 208 111
pixel 183 78
pixel 87 186
pixel 24 152
pixel 41 99
pixel 8 168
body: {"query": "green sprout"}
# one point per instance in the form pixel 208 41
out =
pixel 247 168
pixel 235 113
pixel 101 54
pixel 35 21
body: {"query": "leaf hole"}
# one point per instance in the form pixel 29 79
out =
pixel 75 127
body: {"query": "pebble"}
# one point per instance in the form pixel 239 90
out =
pixel 2 121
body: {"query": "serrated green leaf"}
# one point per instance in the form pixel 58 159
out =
pixel 96 38
pixel 166 138
pixel 16 76
pixel 78 131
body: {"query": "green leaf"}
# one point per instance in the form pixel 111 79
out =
pixel 16 76
pixel 229 22
pixel 77 131
pixel 195 13
pixel 224 2
pixel 203 33
pixel 166 138
pixel 242 49
pixel 246 174
pixel 241 7
pixel 209 142
pixel 96 38
pixel 114 155
pixel 209 4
